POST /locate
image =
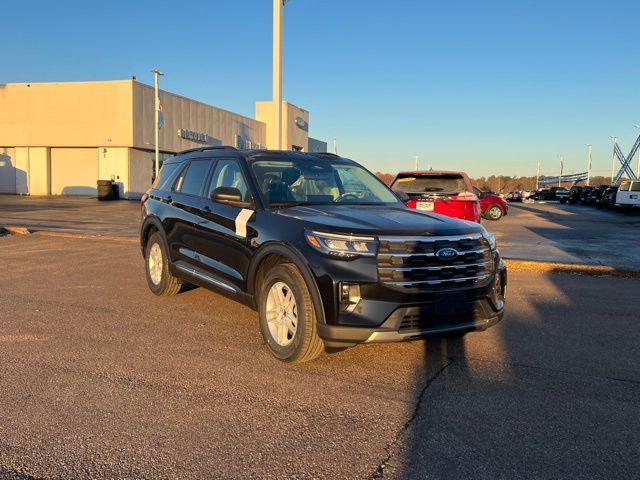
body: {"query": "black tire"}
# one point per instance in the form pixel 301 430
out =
pixel 494 212
pixel 305 344
pixel 168 284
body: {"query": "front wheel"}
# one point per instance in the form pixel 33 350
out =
pixel 495 213
pixel 287 316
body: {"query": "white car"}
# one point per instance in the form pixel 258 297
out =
pixel 628 195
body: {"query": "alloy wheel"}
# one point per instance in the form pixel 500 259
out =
pixel 155 264
pixel 282 313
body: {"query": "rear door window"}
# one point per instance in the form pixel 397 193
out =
pixel 624 186
pixel 449 184
pixel 191 180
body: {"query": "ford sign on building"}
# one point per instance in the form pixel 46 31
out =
pixel 60 138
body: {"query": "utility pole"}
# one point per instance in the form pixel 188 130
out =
pixel 277 72
pixel 613 159
pixel 417 159
pixel 538 176
pixel 638 166
pixel 561 168
pixel 335 146
pixel 156 74
pixel 588 164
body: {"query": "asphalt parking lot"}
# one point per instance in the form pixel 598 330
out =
pixel 101 379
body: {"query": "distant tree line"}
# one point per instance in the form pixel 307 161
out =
pixel 506 184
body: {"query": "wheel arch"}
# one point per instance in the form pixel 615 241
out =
pixel 150 225
pixel 272 254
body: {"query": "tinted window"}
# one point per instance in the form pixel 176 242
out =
pixel 437 183
pixel 228 174
pixel 166 175
pixel 624 186
pixel 192 180
pixel 318 182
pixel 635 187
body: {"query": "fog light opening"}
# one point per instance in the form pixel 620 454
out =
pixel 349 295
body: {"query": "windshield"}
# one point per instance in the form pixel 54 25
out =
pixel 449 184
pixel 318 182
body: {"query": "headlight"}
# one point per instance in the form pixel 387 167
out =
pixel 491 238
pixel 345 246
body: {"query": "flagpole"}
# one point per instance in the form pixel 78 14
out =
pixel 156 103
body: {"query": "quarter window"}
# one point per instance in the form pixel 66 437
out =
pixel 192 179
pixel 635 187
pixel 624 186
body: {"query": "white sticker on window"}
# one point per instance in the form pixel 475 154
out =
pixel 241 221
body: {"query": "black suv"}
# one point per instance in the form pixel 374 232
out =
pixel 321 248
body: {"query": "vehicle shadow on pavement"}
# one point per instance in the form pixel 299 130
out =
pixel 550 392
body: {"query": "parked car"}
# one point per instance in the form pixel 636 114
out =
pixel 609 197
pixel 574 194
pixel 594 198
pixel 446 193
pixel 584 194
pixel 492 205
pixel 323 250
pixel 561 194
pixel 628 195
pixel 514 197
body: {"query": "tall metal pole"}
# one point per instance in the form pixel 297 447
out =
pixel 156 101
pixel 277 73
pixel 613 159
pixel 561 168
pixel 588 164
pixel 417 157
pixel 538 176
pixel 335 146
pixel 638 166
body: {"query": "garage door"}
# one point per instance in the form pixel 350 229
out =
pixel 7 170
pixel 74 171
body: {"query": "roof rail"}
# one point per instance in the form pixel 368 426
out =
pixel 325 153
pixel 210 147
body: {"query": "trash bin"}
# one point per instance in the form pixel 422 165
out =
pixel 105 190
pixel 115 189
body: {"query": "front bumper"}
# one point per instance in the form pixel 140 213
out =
pixel 448 312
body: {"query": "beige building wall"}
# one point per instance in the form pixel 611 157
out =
pixel 7 170
pixel 78 114
pixel 39 170
pixel 140 170
pixel 295 125
pixel 221 126
pixel 22 170
pixel 74 171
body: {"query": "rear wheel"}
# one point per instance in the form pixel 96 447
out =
pixel 495 212
pixel 287 315
pixel 159 278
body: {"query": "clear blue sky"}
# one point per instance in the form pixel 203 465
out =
pixel 488 87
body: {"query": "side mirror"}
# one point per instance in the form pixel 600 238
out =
pixel 230 196
pixel 401 195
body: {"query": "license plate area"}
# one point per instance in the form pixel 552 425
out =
pixel 424 206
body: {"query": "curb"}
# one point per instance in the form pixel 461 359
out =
pixel 574 268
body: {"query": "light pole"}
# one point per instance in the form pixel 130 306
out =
pixel 538 176
pixel 561 168
pixel 588 164
pixel 417 157
pixel 638 166
pixel 613 158
pixel 277 72
pixel 156 74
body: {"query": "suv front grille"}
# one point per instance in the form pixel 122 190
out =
pixel 412 263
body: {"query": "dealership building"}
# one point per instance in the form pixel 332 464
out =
pixel 60 138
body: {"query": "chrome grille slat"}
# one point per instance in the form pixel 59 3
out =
pixel 434 268
pixel 411 262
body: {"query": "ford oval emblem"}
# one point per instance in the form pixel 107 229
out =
pixel 447 254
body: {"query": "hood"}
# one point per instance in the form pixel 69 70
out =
pixel 378 220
